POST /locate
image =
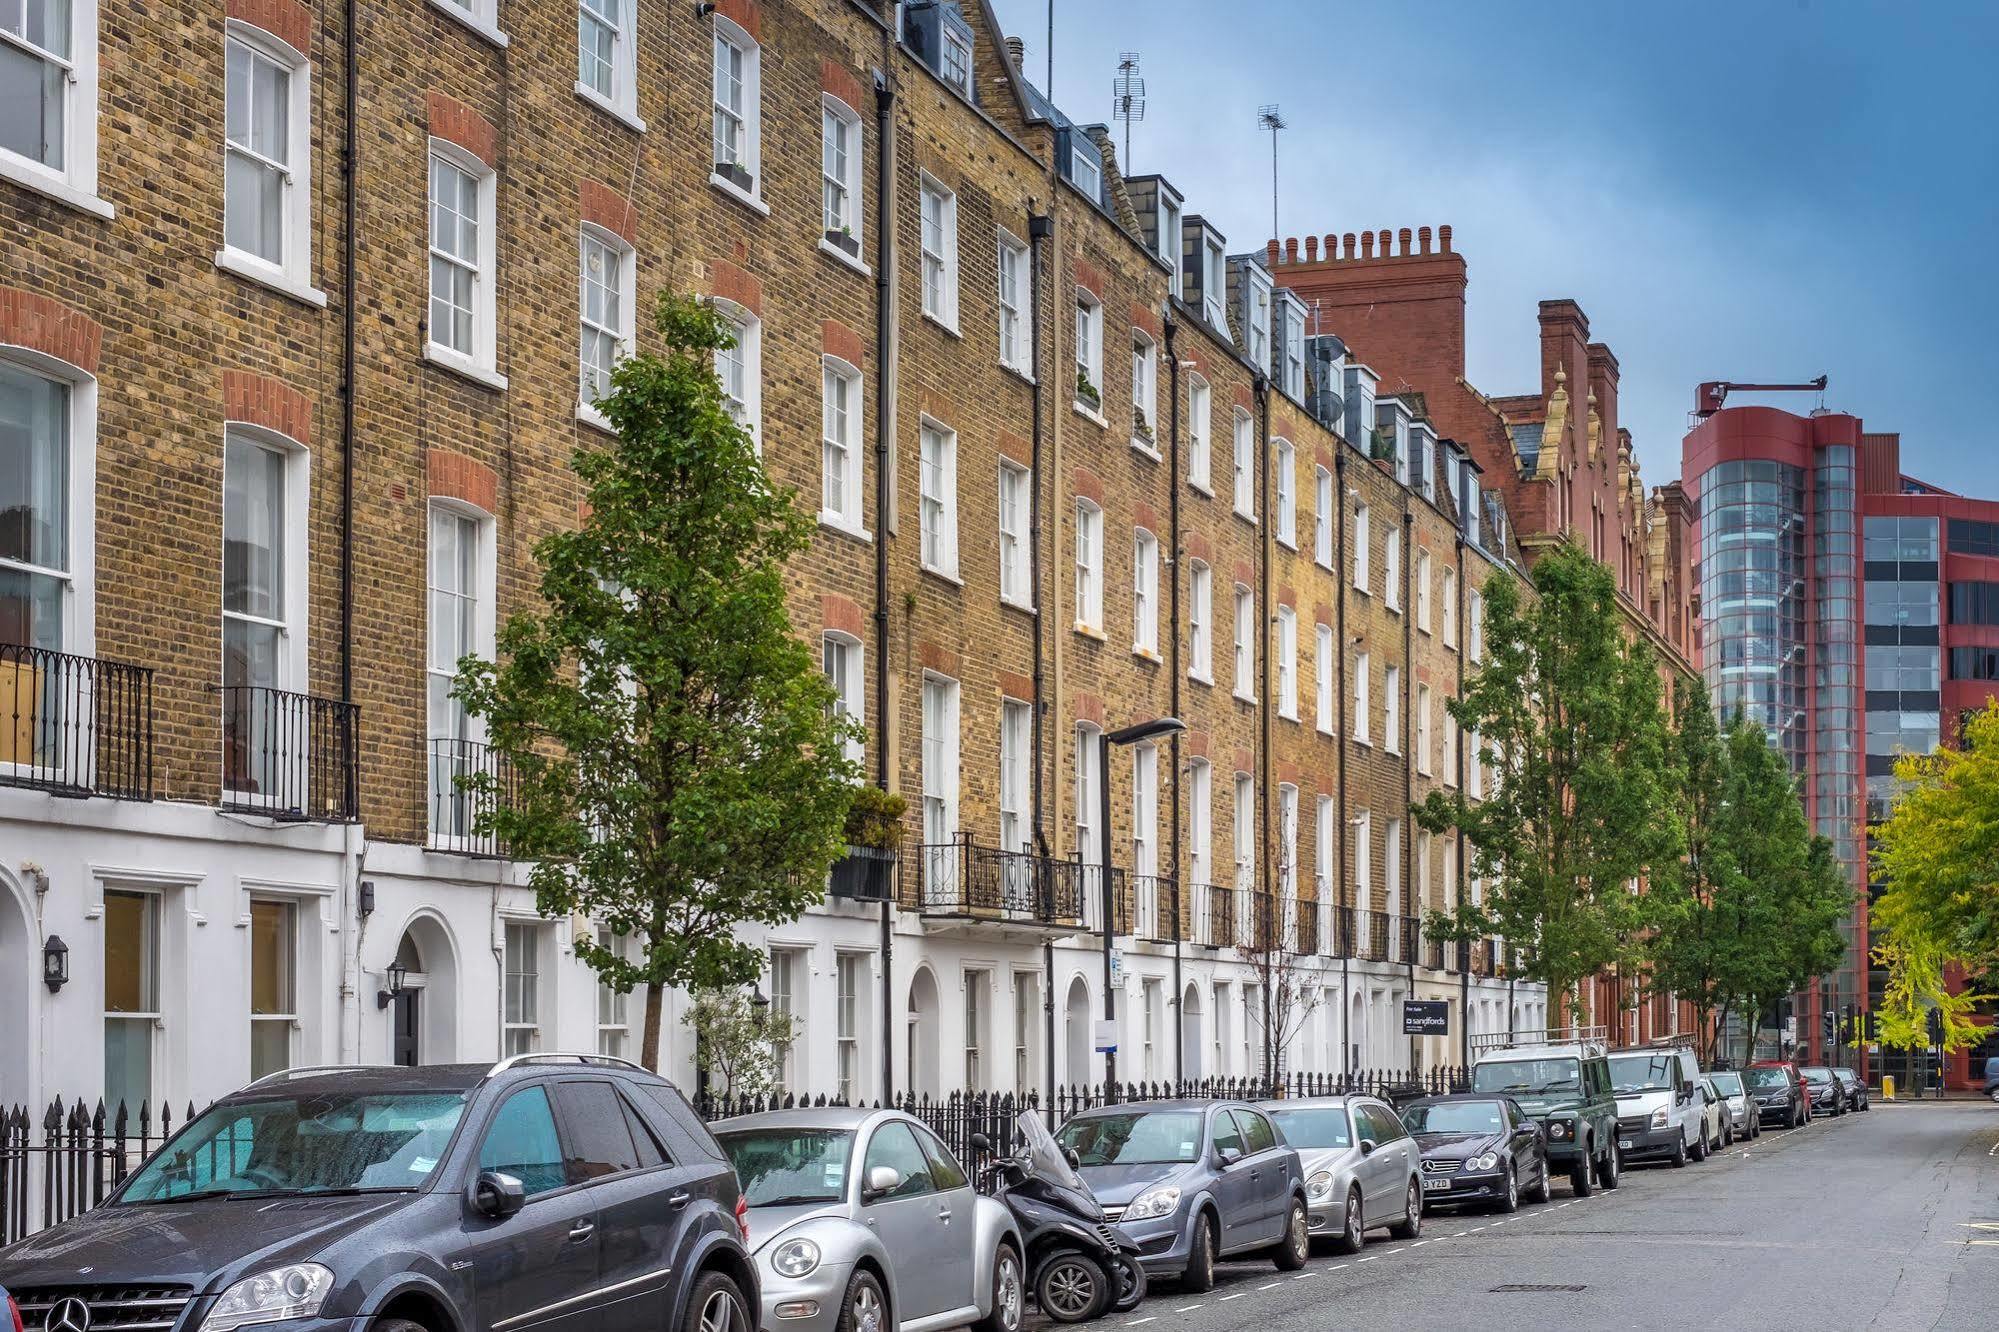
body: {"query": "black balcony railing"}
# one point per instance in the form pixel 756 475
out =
pixel 1305 933
pixel 1375 929
pixel 962 878
pixel 1148 906
pixel 75 725
pixel 1408 939
pixel 456 807
pixel 291 756
pixel 1344 927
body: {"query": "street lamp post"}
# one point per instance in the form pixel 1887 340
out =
pixel 1130 735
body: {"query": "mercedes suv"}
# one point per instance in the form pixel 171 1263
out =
pixel 566 1192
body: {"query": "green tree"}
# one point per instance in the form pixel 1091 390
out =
pixel 677 764
pixel 1937 853
pixel 738 1041
pixel 1567 714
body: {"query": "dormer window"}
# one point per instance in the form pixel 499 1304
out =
pixel 1169 238
pixel 1257 317
pixel 1214 284
pixel 1085 174
pixel 1293 370
pixel 955 60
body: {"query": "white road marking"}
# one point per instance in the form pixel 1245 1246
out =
pixel 1272 1286
pixel 1476 1229
pixel 1560 1206
pixel 1152 1318
pixel 1238 1295
pixel 1302 1275
pixel 1419 1244
pixel 1337 1267
pixel 1370 1258
pixel 1188 1308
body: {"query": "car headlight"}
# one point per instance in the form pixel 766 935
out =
pixel 1153 1203
pixel 1659 1118
pixel 1320 1185
pixel 293 1291
pixel 795 1258
pixel 1486 1162
pixel 1560 1129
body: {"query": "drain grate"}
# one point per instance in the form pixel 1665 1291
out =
pixel 1535 1290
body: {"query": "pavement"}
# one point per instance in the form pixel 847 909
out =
pixel 1888 1219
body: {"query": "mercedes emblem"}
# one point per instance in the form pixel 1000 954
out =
pixel 69 1315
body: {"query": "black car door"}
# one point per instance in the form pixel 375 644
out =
pixel 641 1202
pixel 1523 1141
pixel 537 1268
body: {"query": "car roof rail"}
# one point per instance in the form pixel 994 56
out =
pixel 305 1071
pixel 1594 1039
pixel 557 1057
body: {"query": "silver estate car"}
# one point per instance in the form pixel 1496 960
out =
pixel 1744 1122
pixel 1361 1166
pixel 862 1219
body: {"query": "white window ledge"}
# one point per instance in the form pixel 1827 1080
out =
pixel 471 22
pixel 947 575
pixel 1139 446
pixel 842 257
pixel 610 108
pixel 739 194
pixel 1089 631
pixel 1201 679
pixel 1202 488
pixel 446 359
pixel 264 275
pixel 1020 372
pixel 54 186
pixel 1089 413
pixel 587 414
pixel 1145 653
pixel 948 327
pixel 1015 603
pixel 840 523
pixel 1244 698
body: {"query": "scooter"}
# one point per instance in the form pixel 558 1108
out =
pixel 1079 1266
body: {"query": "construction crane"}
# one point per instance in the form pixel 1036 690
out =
pixel 1709 396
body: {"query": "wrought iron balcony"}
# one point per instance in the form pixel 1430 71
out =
pixel 73 725
pixel 963 880
pixel 1307 934
pixel 290 756
pixel 1148 906
pixel 1408 940
pixel 1376 930
pixel 456 807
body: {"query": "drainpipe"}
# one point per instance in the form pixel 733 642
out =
pixel 884 434
pixel 350 869
pixel 1340 746
pixel 1267 616
pixel 1040 228
pixel 1174 667
pixel 1407 848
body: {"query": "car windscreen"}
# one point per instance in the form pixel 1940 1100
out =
pixel 1157 1137
pixel 1643 1073
pixel 329 1142
pixel 1527 1077
pixel 1728 1084
pixel 788 1167
pixel 1321 1126
pixel 1818 1077
pixel 1767 1079
pixel 1455 1117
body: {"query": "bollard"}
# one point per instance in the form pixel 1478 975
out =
pixel 1887 1086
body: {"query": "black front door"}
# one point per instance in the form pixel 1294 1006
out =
pixel 406 1027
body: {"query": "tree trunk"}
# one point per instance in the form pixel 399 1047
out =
pixel 649 1043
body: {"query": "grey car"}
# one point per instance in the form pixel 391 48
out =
pixel 1194 1181
pixel 1738 1105
pixel 1361 1166
pixel 862 1219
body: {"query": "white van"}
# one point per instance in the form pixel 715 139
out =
pixel 1660 1114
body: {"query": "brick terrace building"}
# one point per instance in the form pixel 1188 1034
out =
pixel 1075 467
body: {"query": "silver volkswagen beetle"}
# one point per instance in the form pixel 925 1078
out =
pixel 862 1219
pixel 1361 1166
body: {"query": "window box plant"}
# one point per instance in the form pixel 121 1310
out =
pixel 1086 392
pixel 844 239
pixel 874 838
pixel 736 174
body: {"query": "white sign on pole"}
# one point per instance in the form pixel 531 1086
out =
pixel 1106 1037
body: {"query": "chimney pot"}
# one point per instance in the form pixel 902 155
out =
pixel 1367 245
pixel 1311 249
pixel 1016 53
pixel 1270 253
pixel 1348 241
pixel 1402 239
pixel 1423 238
pixel 1444 238
pixel 1290 249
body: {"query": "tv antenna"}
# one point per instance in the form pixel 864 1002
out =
pixel 1268 117
pixel 1128 98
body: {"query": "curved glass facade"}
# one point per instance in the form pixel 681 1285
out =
pixel 1754 598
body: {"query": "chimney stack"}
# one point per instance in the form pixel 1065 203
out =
pixel 1016 53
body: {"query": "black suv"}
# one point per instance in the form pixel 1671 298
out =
pixel 554 1192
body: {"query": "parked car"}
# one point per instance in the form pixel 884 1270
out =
pixel 1193 1182
pixel 1992 1077
pixel 10 1312
pixel 568 1191
pixel 1660 1114
pixel 1827 1096
pixel 1479 1149
pixel 862 1218
pixel 1566 1087
pixel 1854 1086
pixel 1715 1124
pixel 1779 1092
pixel 1737 1104
pixel 1360 1165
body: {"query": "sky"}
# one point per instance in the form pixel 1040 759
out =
pixel 1763 191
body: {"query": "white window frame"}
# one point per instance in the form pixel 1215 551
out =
pixel 1323 661
pixel 1257 323
pixel 1287 663
pixel 840 187
pixel 1474 625
pixel 1200 433
pixel 1322 516
pixel 1423 759
pixel 1293 362
pixel 622 329
pixel 74 182
pixel 787 966
pixel 1201 621
pixel 978 987
pixel 1449 609
pixel 482 361
pixel 1245 643
pixel 291 272
pixel 748 352
pixel 840 505
pixel 1214 284
pixel 521 1027
pixel 1016 310
pixel 1423 590
pixel 1144 393
pixel 1016 739
pixel 1391 555
pixel 1391 709
pixel 622 101
pixel 78 574
pixel 850 688
pixel 1450 757
pixel 286 1017
pixel 1085 174
pixel 941 761
pixel 1244 837
pixel 148 1020
pixel 1015 500
pixel 482 17
pixel 1169 238
pixel 1363 867
pixel 1287 493
pixel 937 254
pixel 1362 731
pixel 849 996
pixel 1361 552
pixel 937 490
pixel 1145 826
pixel 1243 449
pixel 1089 833
pixel 484 629
pixel 954 63
pixel 286 752
pixel 1287 848
pixel 1090 352
pixel 1144 593
pixel 750 114
pixel 1089 567
pixel 1200 819
pixel 614 1010
pixel 1391 872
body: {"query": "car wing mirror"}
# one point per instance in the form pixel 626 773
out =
pixel 981 1143
pixel 882 1180
pixel 1073 1157
pixel 1228 1156
pixel 1367 1146
pixel 498 1195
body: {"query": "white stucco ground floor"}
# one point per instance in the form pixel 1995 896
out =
pixel 203 948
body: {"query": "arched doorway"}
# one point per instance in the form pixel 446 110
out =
pixel 1356 1033
pixel 1081 1067
pixel 1192 1040
pixel 20 972
pixel 423 1026
pixel 923 1023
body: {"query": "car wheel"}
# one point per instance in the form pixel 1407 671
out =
pixel 1582 1174
pixel 1130 1284
pixel 1543 1185
pixel 1071 1288
pixel 1699 1151
pixel 1994 1094
pixel 1612 1173
pixel 1411 1225
pixel 1510 1202
pixel 1199 1277
pixel 1296 1247
pixel 1353 1233
pixel 1009 1297
pixel 718 1306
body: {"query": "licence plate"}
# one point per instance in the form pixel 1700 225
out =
pixel 1624 1144
pixel 1436 1186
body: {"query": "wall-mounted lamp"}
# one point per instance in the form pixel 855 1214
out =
pixel 759 1004
pixel 396 974
pixel 704 9
pixel 55 963
pixel 367 902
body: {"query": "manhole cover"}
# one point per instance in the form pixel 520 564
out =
pixel 1534 1290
